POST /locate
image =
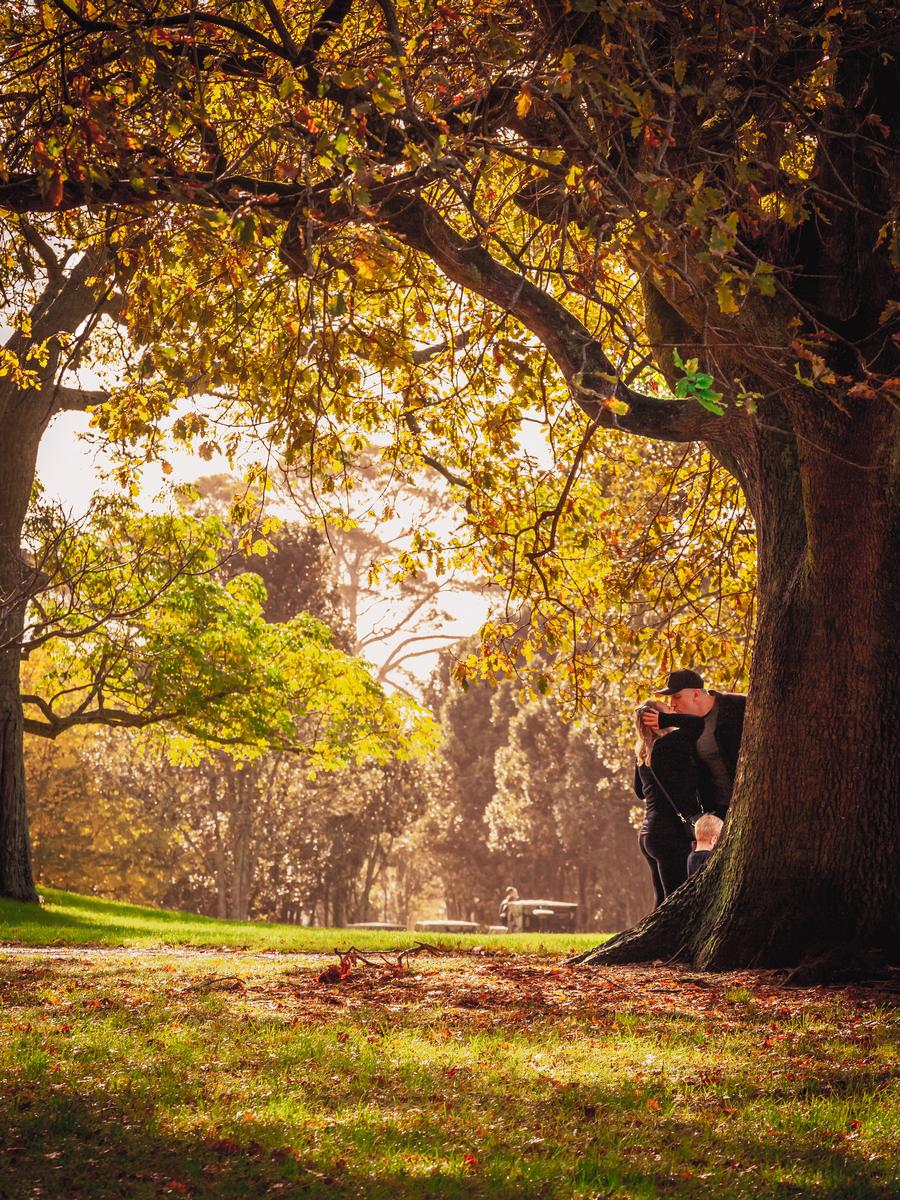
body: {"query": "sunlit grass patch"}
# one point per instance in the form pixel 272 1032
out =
pixel 67 919
pixel 222 1075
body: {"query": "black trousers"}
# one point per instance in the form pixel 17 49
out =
pixel 666 851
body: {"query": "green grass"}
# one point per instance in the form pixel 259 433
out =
pixel 147 1074
pixel 66 919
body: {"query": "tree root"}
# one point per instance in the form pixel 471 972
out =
pixel 664 934
pixel 675 932
pixel 846 963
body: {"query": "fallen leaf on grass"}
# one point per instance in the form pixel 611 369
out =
pixel 225 1146
pixel 338 972
pixel 331 974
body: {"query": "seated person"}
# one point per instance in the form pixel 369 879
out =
pixel 706 831
pixel 511 894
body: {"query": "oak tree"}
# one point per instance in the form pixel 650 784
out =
pixel 531 206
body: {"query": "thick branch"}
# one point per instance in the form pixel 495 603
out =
pixel 74 301
pixel 591 376
pixel 71 399
pixel 326 25
pixel 54 724
pixel 46 252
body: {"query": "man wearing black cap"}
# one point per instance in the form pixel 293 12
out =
pixel 716 720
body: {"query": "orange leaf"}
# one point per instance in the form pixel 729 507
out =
pixel 55 190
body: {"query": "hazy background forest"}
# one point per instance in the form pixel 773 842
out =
pixel 514 793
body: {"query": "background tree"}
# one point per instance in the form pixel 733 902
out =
pixel 561 815
pixel 294 560
pixel 258 838
pixel 523 797
pixel 600 188
pixel 474 725
pixel 87 837
pixel 135 630
pixel 397 603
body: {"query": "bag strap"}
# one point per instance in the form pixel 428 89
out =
pixel 677 811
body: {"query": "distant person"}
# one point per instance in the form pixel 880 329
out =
pixel 706 830
pixel 511 894
pixel 714 723
pixel 665 778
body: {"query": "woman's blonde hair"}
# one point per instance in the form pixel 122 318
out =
pixel 645 735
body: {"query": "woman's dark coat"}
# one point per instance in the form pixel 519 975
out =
pixel 673 762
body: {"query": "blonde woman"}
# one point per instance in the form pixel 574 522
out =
pixel 665 778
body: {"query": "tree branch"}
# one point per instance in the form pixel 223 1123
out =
pixel 592 378
pixel 178 21
pixel 435 464
pixel 424 353
pixel 72 399
pixel 326 25
pixel 278 24
pixel 54 724
pixel 43 248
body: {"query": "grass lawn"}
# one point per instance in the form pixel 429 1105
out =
pixel 66 919
pixel 144 1074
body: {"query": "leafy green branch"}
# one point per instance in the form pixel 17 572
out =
pixel 697 385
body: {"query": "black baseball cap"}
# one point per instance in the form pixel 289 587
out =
pixel 678 680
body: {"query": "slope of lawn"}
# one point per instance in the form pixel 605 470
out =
pixel 143 1074
pixel 67 919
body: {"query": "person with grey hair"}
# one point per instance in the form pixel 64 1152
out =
pixel 511 894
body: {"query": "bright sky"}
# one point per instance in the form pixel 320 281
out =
pixel 71 469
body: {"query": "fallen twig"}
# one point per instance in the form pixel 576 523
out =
pixel 337 972
pixel 217 983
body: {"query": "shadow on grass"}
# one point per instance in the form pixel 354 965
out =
pixel 59 1144
pixel 114 910
pixel 18 918
pixel 68 918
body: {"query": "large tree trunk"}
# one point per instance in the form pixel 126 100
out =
pixel 17 460
pixel 16 879
pixel 67 300
pixel 807 870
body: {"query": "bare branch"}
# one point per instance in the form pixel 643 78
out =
pixel 72 399
pixel 46 252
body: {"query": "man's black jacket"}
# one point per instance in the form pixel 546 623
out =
pixel 729 728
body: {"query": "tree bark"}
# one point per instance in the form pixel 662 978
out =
pixel 806 873
pixel 24 415
pixel 16 879
pixel 22 427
